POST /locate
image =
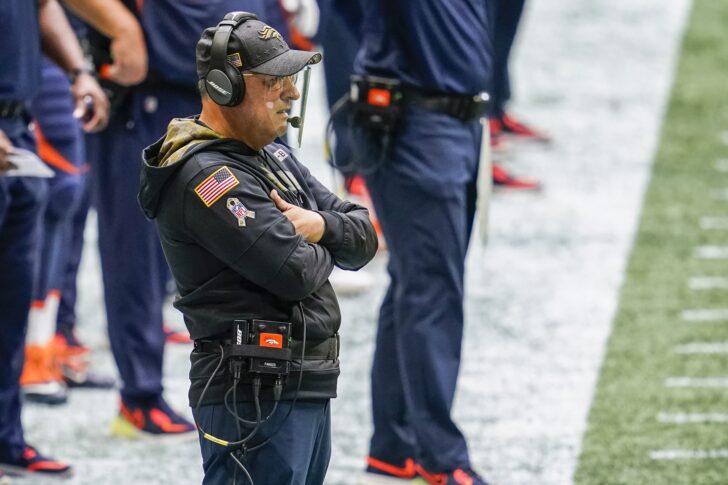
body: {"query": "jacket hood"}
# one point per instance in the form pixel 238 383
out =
pixel 163 158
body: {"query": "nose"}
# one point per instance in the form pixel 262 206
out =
pixel 290 91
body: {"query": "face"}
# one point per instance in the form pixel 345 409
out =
pixel 267 105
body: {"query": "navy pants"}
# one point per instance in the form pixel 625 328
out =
pixel 505 16
pixel 21 203
pixel 132 262
pixel 298 454
pixel 60 144
pixel 424 194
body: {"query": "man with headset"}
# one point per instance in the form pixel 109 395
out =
pixel 251 238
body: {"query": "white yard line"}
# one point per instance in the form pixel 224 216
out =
pixel 707 282
pixel 724 137
pixel 721 165
pixel 697 382
pixel 692 418
pixel 713 222
pixel 702 348
pixel 705 315
pixel 687 454
pixel 711 252
pixel 719 194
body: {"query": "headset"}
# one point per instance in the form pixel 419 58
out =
pixel 223 81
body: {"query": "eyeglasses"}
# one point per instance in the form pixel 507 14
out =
pixel 274 83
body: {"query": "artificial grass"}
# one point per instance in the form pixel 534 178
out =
pixel 623 428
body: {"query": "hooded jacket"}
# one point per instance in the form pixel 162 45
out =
pixel 234 255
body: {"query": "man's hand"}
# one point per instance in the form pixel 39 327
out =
pixel 129 53
pixel 92 105
pixel 5 148
pixel 308 224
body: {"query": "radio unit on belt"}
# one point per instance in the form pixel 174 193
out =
pixel 264 345
pixel 377 102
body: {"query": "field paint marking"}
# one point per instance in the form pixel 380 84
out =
pixel 684 454
pixel 711 252
pixel 692 418
pixel 719 194
pixel 705 315
pixel 702 348
pixel 721 165
pixel 707 282
pixel 724 137
pixel 711 222
pixel 711 382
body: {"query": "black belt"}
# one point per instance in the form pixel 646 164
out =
pixel 326 349
pixel 12 109
pixel 462 107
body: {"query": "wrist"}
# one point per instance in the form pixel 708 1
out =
pixel 76 72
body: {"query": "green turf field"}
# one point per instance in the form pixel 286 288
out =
pixel 635 432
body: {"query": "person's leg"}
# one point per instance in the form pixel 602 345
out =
pixel 423 203
pixel 21 203
pixel 297 454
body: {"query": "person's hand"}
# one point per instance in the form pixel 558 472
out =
pixel 308 224
pixel 92 105
pixel 5 149
pixel 129 53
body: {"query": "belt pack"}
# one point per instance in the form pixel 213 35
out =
pixel 316 349
pixel 13 109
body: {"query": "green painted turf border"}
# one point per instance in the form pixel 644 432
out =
pixel 622 426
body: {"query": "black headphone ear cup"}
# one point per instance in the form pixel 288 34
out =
pixel 238 85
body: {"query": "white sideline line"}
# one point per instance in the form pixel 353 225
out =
pixel 711 382
pixel 705 315
pixel 724 137
pixel 683 454
pixel 692 418
pixel 719 194
pixel 721 165
pixel 711 252
pixel 713 222
pixel 707 282
pixel 702 348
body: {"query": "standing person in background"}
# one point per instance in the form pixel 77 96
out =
pixel 422 179
pixel 26 28
pixel 505 17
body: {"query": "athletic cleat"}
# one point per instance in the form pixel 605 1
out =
pixel 498 142
pixel 73 360
pixel 459 476
pixel 151 422
pixel 176 337
pixel 40 381
pixel 511 126
pixel 32 463
pixel 502 179
pixel 379 472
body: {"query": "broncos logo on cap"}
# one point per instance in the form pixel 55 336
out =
pixel 268 32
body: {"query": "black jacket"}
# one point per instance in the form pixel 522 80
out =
pixel 234 255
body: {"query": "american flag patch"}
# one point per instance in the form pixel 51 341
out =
pixel 216 185
pixel 235 60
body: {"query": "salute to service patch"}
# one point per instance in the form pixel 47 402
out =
pixel 216 185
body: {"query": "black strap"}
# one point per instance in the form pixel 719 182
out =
pixel 462 107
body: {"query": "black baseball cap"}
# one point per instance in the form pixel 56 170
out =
pixel 255 47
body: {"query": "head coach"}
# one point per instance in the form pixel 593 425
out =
pixel 251 238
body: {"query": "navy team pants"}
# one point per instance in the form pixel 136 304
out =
pixel 132 262
pixel 505 16
pixel 298 454
pixel 21 203
pixel 424 194
pixel 61 146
